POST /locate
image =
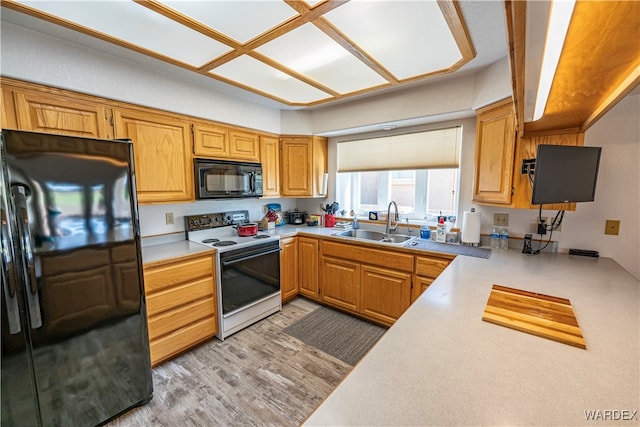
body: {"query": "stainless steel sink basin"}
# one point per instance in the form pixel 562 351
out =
pixel 362 234
pixel 376 236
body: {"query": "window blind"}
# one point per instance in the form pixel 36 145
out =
pixel 434 149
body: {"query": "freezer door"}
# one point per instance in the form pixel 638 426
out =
pixel 75 201
pixel 18 393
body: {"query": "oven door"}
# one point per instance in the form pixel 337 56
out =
pixel 249 275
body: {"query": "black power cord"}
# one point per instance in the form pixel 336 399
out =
pixel 555 225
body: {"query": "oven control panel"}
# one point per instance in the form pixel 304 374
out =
pixel 214 220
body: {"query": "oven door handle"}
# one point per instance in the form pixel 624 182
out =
pixel 246 257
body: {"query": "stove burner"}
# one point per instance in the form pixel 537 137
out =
pixel 210 240
pixel 225 243
pixel 261 236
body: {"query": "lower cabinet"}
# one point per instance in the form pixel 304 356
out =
pixel 289 268
pixel 181 306
pixel 341 284
pixel 308 273
pixel 373 283
pixel 426 270
pixel 385 294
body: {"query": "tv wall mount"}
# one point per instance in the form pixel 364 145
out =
pixel 528 166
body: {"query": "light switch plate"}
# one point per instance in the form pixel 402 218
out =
pixel 501 219
pixel 168 218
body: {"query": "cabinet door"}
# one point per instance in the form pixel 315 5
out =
pixel 210 141
pixel 308 250
pixel 49 113
pixel 420 284
pixel 244 146
pixel 296 167
pixel 270 159
pixel 289 268
pixel 385 294
pixel 495 148
pixel 341 284
pixel 162 155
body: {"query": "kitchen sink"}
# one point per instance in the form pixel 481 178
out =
pixel 376 236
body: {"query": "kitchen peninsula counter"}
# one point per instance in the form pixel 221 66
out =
pixel 441 364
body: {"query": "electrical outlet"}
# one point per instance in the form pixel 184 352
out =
pixel 501 219
pixel 168 218
pixel 547 220
pixel 612 227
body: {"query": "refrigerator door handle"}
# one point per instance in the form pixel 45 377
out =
pixel 9 280
pixel 22 215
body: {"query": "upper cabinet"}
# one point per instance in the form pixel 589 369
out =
pixel 220 142
pixel 303 165
pixel 37 111
pixel 270 159
pixel 498 178
pixel 162 148
pixel 495 145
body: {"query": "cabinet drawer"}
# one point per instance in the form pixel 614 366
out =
pixel 182 339
pixel 179 295
pixel 377 257
pixel 163 276
pixel 430 267
pixel 177 318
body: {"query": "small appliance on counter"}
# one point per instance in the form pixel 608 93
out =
pixel 295 217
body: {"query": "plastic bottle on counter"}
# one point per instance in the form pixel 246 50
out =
pixel 494 238
pixel 504 238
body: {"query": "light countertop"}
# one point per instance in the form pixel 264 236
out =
pixel 440 364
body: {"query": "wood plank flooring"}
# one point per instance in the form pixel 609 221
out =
pixel 259 376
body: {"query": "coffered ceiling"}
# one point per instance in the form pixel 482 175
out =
pixel 297 53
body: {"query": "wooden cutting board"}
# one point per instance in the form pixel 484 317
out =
pixel 542 315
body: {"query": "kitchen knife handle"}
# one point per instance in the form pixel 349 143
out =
pixel 31 284
pixel 9 280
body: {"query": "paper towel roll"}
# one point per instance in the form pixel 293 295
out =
pixel 470 227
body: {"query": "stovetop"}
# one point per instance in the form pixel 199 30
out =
pixel 218 230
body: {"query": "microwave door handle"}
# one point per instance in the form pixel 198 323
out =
pixel 9 279
pixel 252 182
pixel 31 284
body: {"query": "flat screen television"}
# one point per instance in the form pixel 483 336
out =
pixel 565 174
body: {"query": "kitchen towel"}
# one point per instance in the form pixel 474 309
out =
pixel 471 227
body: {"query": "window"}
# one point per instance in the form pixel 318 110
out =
pixel 419 194
pixel 419 171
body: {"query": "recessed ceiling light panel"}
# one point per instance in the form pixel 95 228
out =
pixel 252 73
pixel 239 20
pixel 128 21
pixel 409 38
pixel 309 51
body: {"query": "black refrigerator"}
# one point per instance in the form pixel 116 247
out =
pixel 75 348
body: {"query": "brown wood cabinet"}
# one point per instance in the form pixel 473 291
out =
pixel 385 294
pixel 499 154
pixel 210 141
pixel 244 145
pixel 289 268
pixel 181 307
pixel 308 267
pixel 270 159
pixel 373 283
pixel 340 283
pixel 37 111
pixel 426 270
pixel 495 148
pixel 303 164
pixel 161 145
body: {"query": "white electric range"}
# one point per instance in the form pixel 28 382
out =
pixel 247 269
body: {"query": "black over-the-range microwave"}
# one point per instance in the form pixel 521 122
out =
pixel 221 179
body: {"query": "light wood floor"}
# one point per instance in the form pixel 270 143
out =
pixel 259 376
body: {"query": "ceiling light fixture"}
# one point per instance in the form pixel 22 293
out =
pixel 559 19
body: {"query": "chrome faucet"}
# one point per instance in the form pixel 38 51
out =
pixel 389 229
